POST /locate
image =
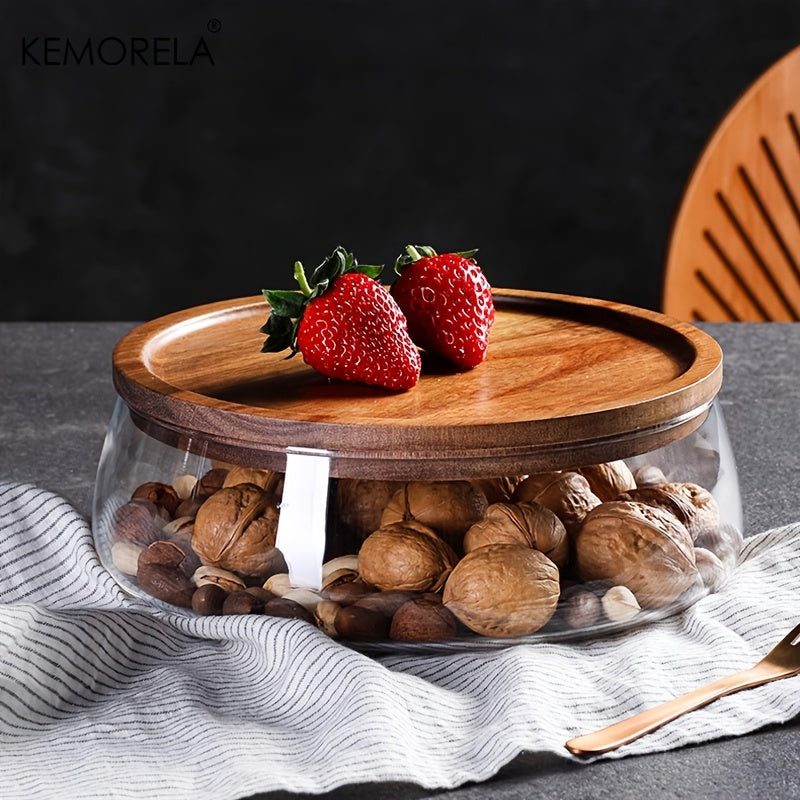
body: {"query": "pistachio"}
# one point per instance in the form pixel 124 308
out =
pixel 184 486
pixel 304 597
pixel 325 614
pixel 218 577
pixel 340 562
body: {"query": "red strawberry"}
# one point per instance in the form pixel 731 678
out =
pixel 346 325
pixel 447 302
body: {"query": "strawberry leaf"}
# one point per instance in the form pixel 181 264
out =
pixel 285 302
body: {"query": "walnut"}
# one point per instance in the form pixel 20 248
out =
pixel 448 507
pixel 503 590
pixel 659 497
pixel 527 523
pixel 609 479
pixel 405 555
pixel 533 485
pixel 496 490
pixel 639 546
pixel 267 479
pixel 706 510
pixel 235 529
pixel 360 503
pixel 569 496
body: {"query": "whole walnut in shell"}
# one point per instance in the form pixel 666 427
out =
pixel 407 556
pixel 267 479
pixel 449 507
pixel 609 479
pixel 360 503
pixel 706 510
pixel 529 524
pixel 497 490
pixel 567 494
pixel 639 546
pixel 235 529
pixel 503 590
pixel 660 497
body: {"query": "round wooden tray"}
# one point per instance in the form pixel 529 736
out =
pixel 567 381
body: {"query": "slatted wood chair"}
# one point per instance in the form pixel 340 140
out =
pixel 734 252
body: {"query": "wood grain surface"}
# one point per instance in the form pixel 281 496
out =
pixel 567 380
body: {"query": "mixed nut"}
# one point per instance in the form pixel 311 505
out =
pixel 431 561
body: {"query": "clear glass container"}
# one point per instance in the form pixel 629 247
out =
pixel 579 481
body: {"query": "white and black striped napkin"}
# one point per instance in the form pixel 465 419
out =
pixel 103 696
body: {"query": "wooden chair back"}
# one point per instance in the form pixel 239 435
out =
pixel 734 252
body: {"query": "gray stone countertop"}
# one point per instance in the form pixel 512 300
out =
pixel 56 399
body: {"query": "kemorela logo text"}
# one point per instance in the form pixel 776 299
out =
pixel 116 51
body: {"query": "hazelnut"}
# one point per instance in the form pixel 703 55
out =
pixel 447 507
pixel 405 555
pixel 125 556
pixel 503 590
pixel 360 503
pixel 642 547
pixel 619 604
pixel 160 494
pixel 580 609
pixel 711 569
pixel 526 523
pixel 207 599
pixel 242 602
pixel 348 592
pixel 283 607
pixel 361 624
pixel 609 479
pixel 139 521
pixel 725 542
pixel 386 603
pixel 423 619
pixel 235 529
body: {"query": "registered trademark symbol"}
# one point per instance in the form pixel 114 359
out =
pixel 214 25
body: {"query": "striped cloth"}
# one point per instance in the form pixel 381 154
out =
pixel 103 696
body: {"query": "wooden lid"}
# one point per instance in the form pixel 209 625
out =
pixel 567 381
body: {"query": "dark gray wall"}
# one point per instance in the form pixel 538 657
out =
pixel 555 136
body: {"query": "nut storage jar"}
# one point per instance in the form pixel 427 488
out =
pixel 578 481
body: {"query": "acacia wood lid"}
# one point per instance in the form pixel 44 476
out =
pixel 566 381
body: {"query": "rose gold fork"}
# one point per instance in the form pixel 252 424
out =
pixel 782 661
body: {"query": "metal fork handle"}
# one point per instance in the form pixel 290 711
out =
pixel 628 730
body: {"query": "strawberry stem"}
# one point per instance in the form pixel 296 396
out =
pixel 300 277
